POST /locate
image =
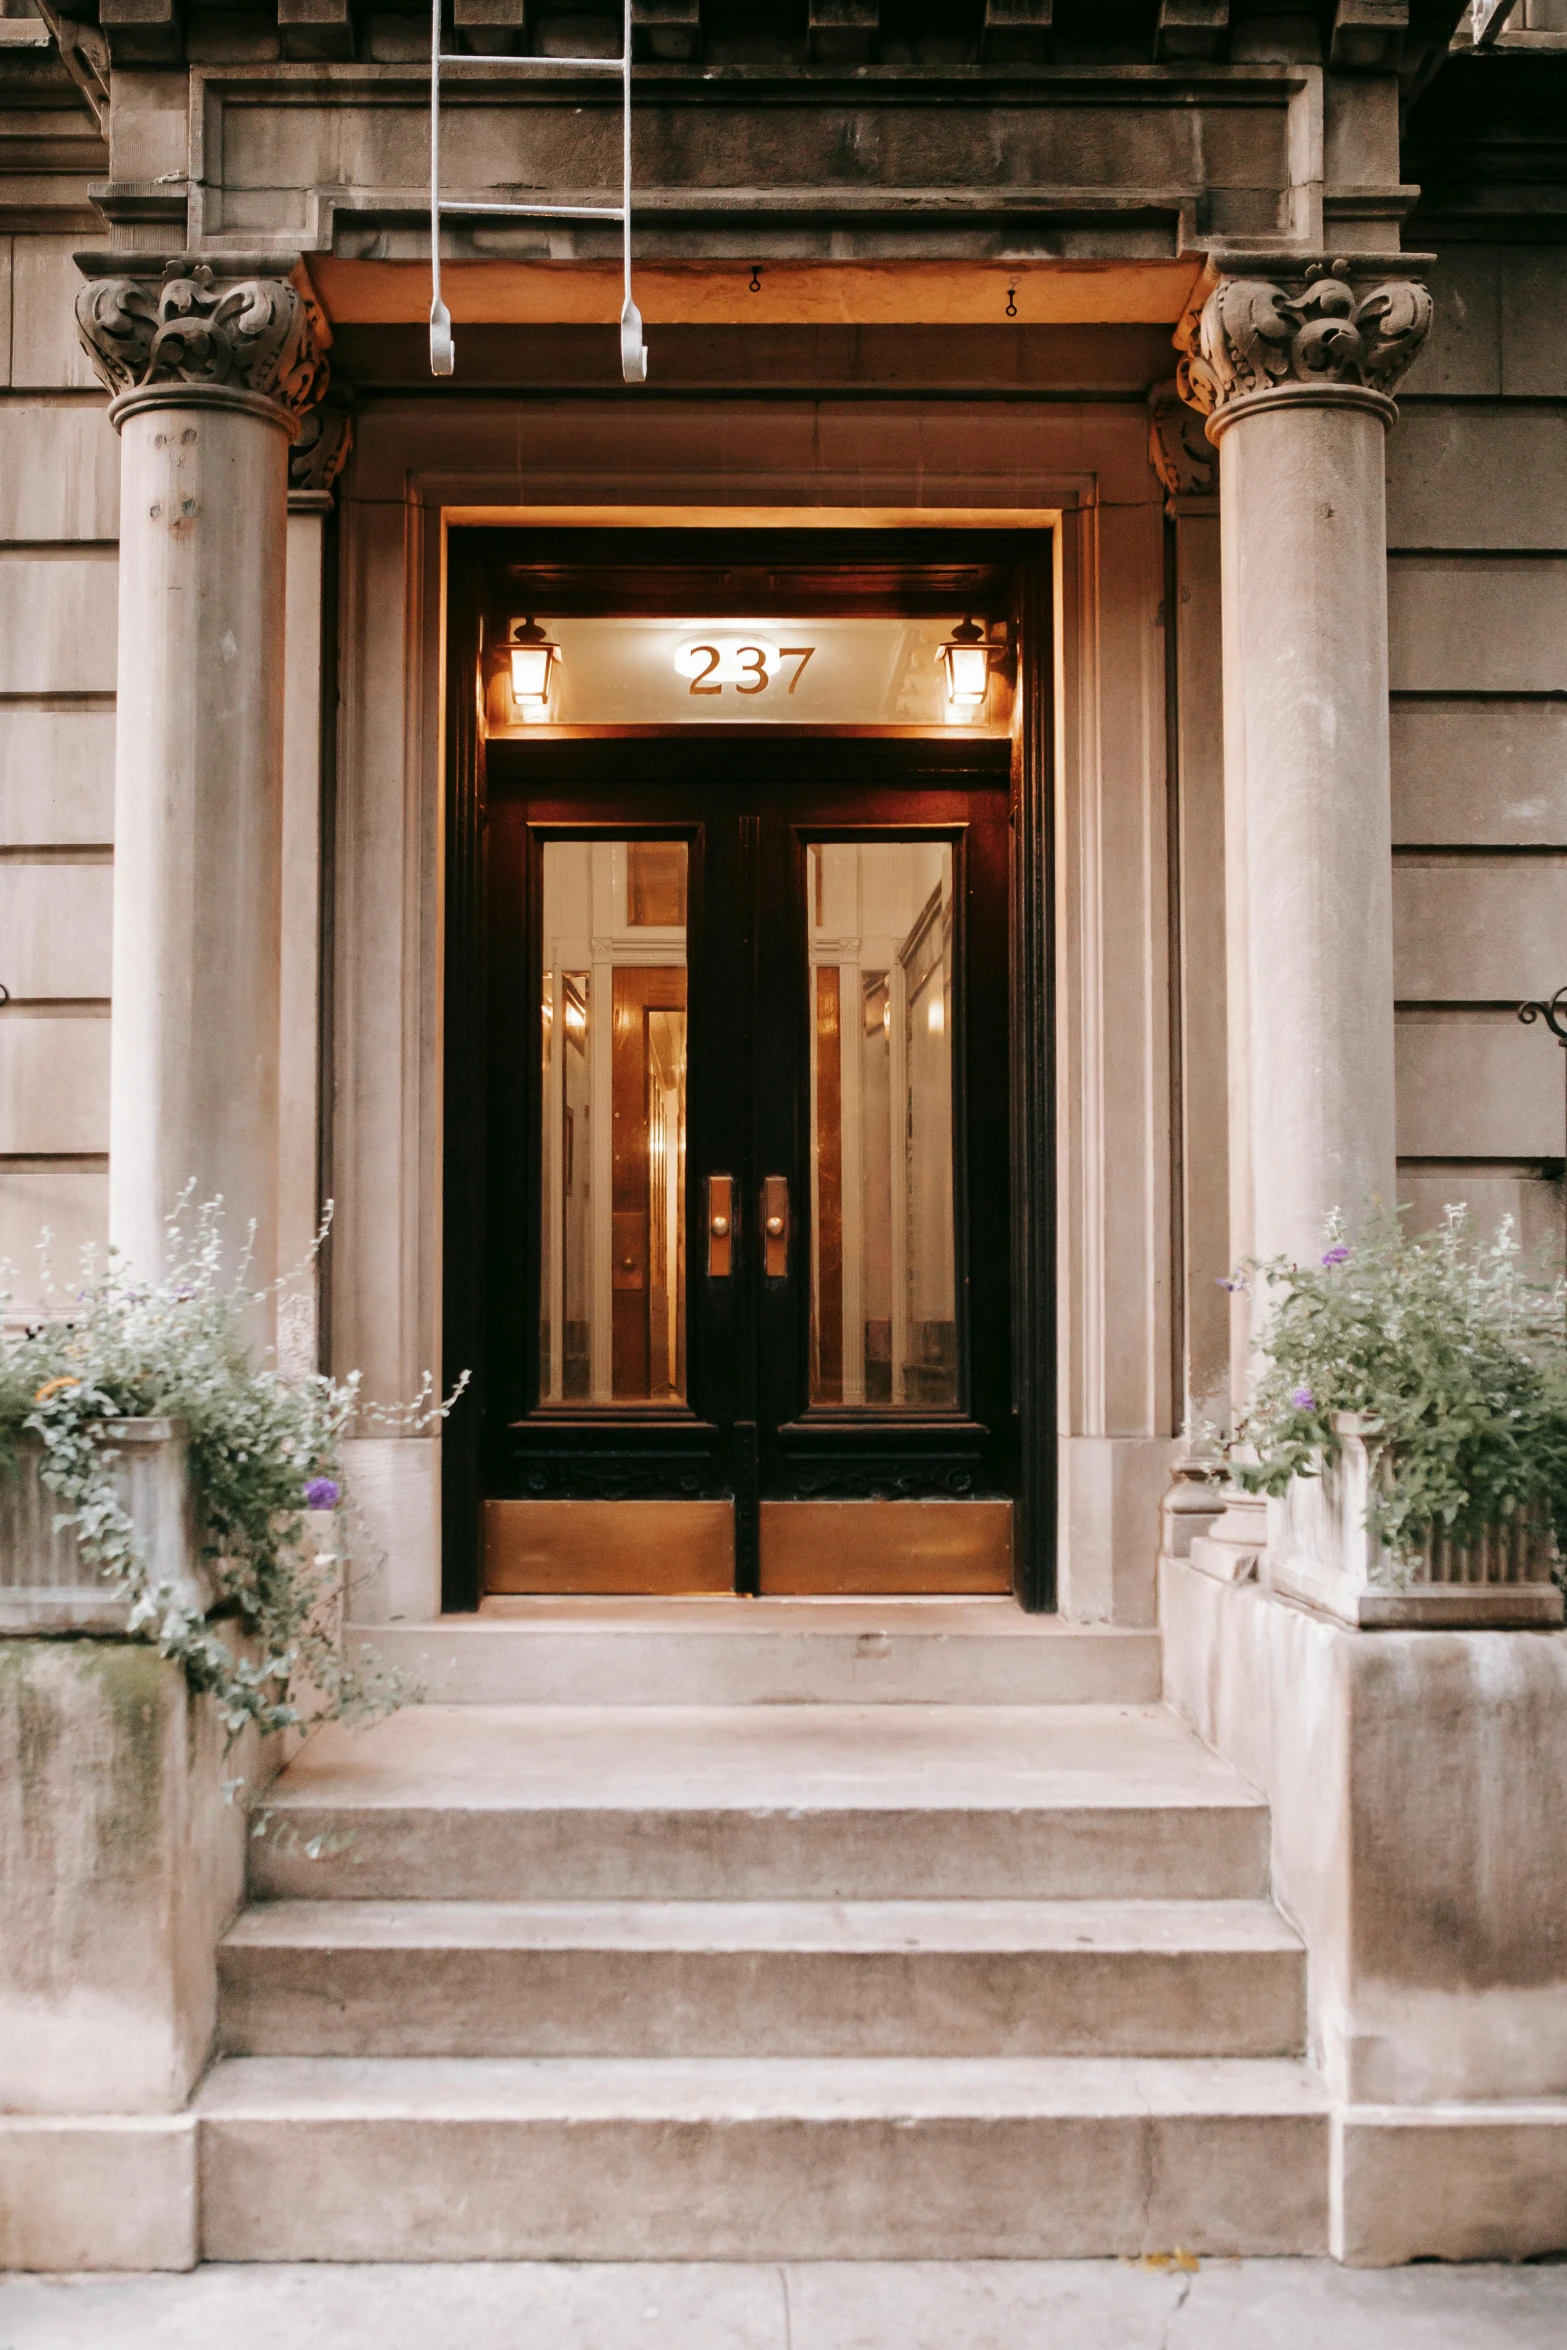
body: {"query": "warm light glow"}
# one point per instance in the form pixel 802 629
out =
pixel 576 1017
pixel 936 1017
pixel 968 672
pixel 967 659
pixel 530 672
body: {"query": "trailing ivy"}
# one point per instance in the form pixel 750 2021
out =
pixel 1456 1362
pixel 264 1450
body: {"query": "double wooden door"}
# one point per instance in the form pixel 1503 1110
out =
pixel 744 1306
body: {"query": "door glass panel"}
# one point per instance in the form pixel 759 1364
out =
pixel 613 1240
pixel 883 1252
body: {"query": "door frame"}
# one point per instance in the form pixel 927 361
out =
pixel 473 555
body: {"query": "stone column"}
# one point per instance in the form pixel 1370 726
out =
pixel 210 381
pixel 1295 374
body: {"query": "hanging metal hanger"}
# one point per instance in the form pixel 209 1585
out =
pixel 443 351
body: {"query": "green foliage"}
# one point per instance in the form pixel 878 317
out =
pixel 1456 1362
pixel 120 1349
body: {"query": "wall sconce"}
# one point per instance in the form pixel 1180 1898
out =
pixel 533 660
pixel 967 656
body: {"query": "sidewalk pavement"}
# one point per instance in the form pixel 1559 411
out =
pixel 1173 2304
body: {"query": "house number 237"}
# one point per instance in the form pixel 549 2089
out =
pixel 749 667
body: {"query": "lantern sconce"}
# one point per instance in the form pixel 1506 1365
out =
pixel 967 655
pixel 533 659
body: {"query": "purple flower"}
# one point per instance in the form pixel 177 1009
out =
pixel 322 1493
pixel 1235 1282
pixel 1335 1256
pixel 1303 1400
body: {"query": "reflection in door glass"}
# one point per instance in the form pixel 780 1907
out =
pixel 883 1288
pixel 613 1243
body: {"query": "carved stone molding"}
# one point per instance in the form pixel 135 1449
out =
pixel 1318 333
pixel 1179 449
pixel 252 336
pixel 326 434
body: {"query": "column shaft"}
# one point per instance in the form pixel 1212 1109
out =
pixel 198 820
pixel 1306 770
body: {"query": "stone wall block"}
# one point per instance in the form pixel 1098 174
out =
pixel 55 922
pixel 45 352
pixel 101 2194
pixel 122 1863
pixel 57 626
pixel 1473 931
pixel 1480 774
pixel 1477 1085
pixel 54 1086
pixel 59 473
pixel 1493 627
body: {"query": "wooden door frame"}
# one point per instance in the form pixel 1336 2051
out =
pixel 473 553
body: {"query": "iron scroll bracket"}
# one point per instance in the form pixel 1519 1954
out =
pixel 1554 1014
pixel 443 350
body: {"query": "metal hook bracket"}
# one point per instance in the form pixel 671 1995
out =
pixel 443 349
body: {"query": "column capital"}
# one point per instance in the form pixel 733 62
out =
pixel 1324 333
pixel 190 337
pixel 326 435
pixel 1178 448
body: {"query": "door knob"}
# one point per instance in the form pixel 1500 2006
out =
pixel 720 1227
pixel 775 1227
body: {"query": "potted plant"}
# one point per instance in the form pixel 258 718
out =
pixel 1409 1429
pixel 157 1482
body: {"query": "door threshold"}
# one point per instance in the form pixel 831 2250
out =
pixel 741 1612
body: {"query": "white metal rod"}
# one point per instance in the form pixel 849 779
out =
pixel 500 57
pixel 542 211
pixel 625 144
pixel 435 153
pixel 443 357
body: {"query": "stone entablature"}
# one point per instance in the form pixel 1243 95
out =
pixel 1037 165
pixel 1314 333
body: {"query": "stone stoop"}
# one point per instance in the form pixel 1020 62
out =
pixel 922 1975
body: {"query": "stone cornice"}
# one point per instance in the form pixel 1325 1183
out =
pixel 252 338
pixel 1317 334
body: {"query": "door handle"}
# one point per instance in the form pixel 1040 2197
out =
pixel 720 1226
pixel 775 1227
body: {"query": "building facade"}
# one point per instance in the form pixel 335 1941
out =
pixel 805 912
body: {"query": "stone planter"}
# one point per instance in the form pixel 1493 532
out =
pixel 45 1584
pixel 1319 1550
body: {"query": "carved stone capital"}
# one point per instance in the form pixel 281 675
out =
pixel 326 434
pixel 1179 449
pixel 1311 336
pixel 251 338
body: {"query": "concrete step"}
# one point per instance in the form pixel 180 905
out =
pixel 763 1978
pixel 767 1652
pixel 759 2159
pixel 751 1803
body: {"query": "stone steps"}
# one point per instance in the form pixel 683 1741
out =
pixel 908 1978
pixel 762 1978
pixel 753 1803
pixel 767 1652
pixel 759 2159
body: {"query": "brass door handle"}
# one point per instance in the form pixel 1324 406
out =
pixel 720 1227
pixel 775 1227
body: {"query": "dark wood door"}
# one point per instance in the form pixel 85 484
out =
pixel 771 1284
